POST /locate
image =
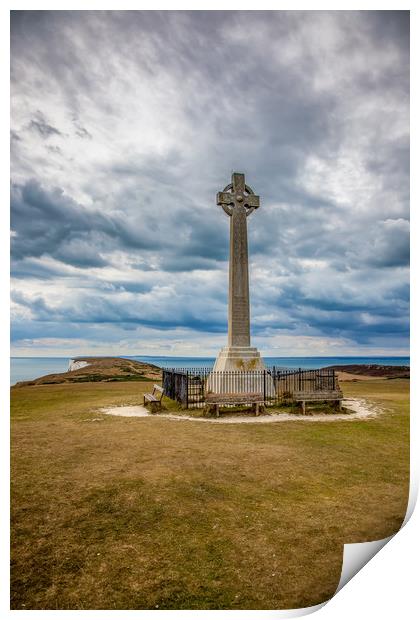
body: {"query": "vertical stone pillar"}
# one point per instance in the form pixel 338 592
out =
pixel 238 314
pixel 238 201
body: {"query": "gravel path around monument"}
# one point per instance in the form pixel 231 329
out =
pixel 360 408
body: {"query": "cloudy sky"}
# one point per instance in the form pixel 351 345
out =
pixel 126 124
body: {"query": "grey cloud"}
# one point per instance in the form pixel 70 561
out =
pixel 81 131
pixel 273 94
pixel 44 129
pixel 49 222
pixel 53 148
pixel 140 310
pixel 391 247
pixel 29 269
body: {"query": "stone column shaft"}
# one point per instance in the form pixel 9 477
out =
pixel 238 313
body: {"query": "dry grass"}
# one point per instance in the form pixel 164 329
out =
pixel 136 513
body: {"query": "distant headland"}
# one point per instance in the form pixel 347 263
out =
pixel 94 369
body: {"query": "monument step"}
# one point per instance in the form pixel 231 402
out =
pixel 246 356
pixel 236 348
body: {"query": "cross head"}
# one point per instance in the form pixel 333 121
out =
pixel 237 195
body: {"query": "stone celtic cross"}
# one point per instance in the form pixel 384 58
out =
pixel 238 201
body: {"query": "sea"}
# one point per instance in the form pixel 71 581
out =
pixel 28 368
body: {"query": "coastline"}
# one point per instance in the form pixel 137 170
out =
pixel 30 368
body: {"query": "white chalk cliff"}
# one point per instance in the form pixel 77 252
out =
pixel 76 364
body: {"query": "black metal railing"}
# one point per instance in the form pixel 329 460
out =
pixel 189 386
pixel 290 381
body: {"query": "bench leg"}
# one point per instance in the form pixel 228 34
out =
pixel 217 411
pixel 154 407
pixel 337 405
pixel 210 411
pixel 302 407
pixel 257 409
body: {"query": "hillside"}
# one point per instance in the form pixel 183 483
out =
pixel 357 371
pixel 97 369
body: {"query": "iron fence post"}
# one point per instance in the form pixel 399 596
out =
pixel 188 387
pixel 265 376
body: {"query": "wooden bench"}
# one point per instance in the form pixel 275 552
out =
pixel 302 397
pixel 154 401
pixel 215 401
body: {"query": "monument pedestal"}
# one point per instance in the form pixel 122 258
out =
pixel 238 358
pixel 240 370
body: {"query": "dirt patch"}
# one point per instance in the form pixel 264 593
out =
pixel 358 409
pixel 136 411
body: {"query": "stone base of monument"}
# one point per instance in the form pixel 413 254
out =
pixel 238 358
pixel 240 370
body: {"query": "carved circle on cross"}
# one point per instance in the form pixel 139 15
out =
pixel 241 197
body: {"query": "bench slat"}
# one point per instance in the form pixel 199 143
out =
pixel 234 399
pixel 150 397
pixel 336 395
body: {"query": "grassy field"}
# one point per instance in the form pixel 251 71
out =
pixel 135 513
